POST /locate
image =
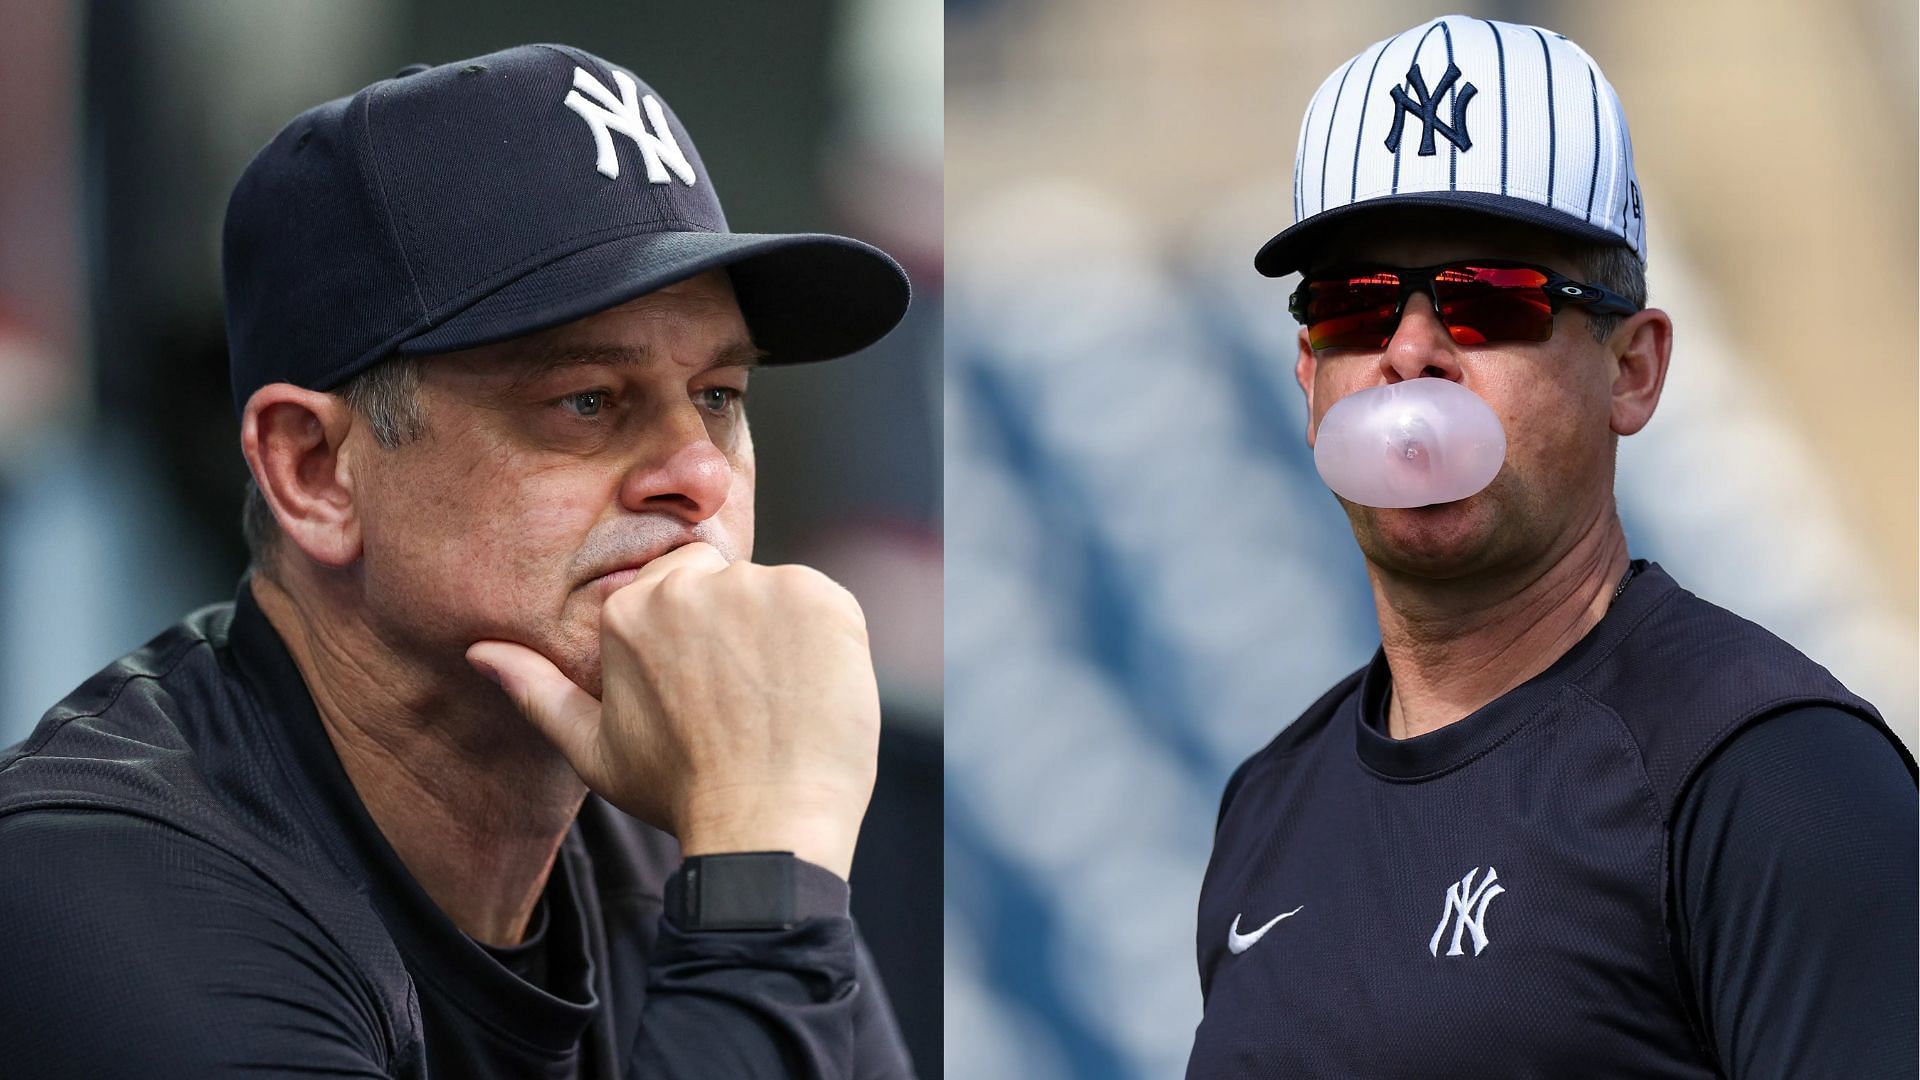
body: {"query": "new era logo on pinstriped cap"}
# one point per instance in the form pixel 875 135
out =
pixel 1509 120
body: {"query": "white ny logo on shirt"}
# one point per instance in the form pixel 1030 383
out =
pixel 1470 904
pixel 622 114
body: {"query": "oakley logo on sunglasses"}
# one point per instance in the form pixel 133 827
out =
pixel 1426 106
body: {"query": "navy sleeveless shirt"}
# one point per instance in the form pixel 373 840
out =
pixel 1491 898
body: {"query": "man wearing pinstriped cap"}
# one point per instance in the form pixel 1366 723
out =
pixel 1571 820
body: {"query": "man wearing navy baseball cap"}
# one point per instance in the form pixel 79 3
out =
pixel 1571 820
pixel 505 760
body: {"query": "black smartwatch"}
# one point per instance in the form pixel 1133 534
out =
pixel 751 890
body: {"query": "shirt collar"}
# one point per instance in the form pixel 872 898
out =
pixel 1444 749
pixel 436 951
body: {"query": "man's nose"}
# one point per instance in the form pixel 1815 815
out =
pixel 1420 346
pixel 678 468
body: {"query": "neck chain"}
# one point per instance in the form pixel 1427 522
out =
pixel 1624 578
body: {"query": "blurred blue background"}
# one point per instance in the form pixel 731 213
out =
pixel 124 126
pixel 1146 578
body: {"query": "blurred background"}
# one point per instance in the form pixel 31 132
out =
pixel 1146 578
pixel 125 125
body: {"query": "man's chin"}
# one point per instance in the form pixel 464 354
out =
pixel 1442 540
pixel 574 645
pixel 581 671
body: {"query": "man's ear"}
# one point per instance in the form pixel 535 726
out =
pixel 1303 369
pixel 293 440
pixel 1641 345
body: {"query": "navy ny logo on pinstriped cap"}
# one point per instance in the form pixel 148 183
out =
pixel 1423 105
pixel 1548 145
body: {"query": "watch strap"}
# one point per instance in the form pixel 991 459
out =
pixel 752 890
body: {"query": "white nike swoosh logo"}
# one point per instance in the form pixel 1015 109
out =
pixel 1238 942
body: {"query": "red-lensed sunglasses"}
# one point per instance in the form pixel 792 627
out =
pixel 1479 300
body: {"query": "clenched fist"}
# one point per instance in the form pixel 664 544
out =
pixel 738 711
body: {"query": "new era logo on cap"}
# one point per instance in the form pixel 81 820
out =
pixel 1519 123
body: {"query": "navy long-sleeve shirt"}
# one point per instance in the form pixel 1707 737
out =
pixel 190 887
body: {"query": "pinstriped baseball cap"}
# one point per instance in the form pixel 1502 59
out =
pixel 1508 120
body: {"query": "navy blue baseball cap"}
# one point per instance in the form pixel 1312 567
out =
pixel 458 205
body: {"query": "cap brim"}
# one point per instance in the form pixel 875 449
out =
pixel 805 296
pixel 1291 250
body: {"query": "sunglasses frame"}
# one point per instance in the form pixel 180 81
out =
pixel 1560 289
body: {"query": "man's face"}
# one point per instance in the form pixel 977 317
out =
pixel 1552 397
pixel 553 467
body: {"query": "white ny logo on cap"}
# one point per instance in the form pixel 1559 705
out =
pixel 622 114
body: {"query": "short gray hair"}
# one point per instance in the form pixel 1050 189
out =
pixel 387 396
pixel 1618 270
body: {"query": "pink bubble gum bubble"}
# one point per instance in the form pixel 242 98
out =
pixel 1412 443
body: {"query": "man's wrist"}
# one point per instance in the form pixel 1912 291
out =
pixel 823 839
